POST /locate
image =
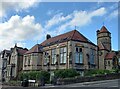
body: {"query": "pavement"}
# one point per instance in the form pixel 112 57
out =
pixel 106 84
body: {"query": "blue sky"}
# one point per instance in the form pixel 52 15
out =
pixel 27 23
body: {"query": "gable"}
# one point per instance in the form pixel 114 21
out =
pixel 72 35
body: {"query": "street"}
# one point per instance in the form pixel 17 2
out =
pixel 106 84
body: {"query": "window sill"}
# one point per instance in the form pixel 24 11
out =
pixel 62 63
pixel 38 65
pixel 93 64
pixel 79 63
pixel 53 64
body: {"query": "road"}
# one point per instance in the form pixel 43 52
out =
pixel 106 84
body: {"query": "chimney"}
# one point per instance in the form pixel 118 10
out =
pixel 48 36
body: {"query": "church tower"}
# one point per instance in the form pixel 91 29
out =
pixel 104 38
pixel 104 45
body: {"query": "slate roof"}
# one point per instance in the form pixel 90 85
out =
pixel 110 55
pixel 104 29
pixel 72 35
pixel 34 49
pixel 21 51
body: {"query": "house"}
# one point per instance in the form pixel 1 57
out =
pixel 3 65
pixel 68 50
pixel 15 62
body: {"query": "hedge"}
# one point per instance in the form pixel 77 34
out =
pixel 66 73
pixel 35 75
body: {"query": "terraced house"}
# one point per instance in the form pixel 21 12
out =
pixel 15 62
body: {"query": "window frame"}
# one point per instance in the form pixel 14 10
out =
pixel 53 53
pixel 79 53
pixel 63 52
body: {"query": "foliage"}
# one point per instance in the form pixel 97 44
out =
pixel 35 75
pixel 66 73
pixel 95 72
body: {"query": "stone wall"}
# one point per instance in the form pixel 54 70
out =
pixel 88 79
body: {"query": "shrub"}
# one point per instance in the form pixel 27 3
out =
pixel 95 72
pixel 35 75
pixel 66 73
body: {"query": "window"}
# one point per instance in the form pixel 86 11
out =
pixel 119 60
pixel 46 60
pixel 53 56
pixel 105 63
pixel 108 63
pixel 78 55
pixel 63 55
pixel 29 58
pixel 92 56
pixel 25 61
pixel 38 60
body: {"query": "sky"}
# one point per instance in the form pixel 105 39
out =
pixel 27 23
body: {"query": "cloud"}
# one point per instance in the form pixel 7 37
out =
pixel 114 14
pixel 58 18
pixel 18 29
pixel 81 18
pixel 17 6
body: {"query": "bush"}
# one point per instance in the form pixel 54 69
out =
pixel 35 75
pixel 96 72
pixel 66 73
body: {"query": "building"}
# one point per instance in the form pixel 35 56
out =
pixel 3 65
pixel 118 57
pixel 65 51
pixel 68 50
pixel 33 59
pixel 107 58
pixel 111 61
pixel 15 62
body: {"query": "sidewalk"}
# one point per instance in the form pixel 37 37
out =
pixel 74 84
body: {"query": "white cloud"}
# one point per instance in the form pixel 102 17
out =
pixel 57 19
pixel 17 6
pixel 114 14
pixel 81 18
pixel 18 29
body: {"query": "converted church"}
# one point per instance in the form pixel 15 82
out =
pixel 68 50
pixel 72 50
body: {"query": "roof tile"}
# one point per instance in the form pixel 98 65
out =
pixel 72 35
pixel 34 49
pixel 110 56
pixel 103 29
